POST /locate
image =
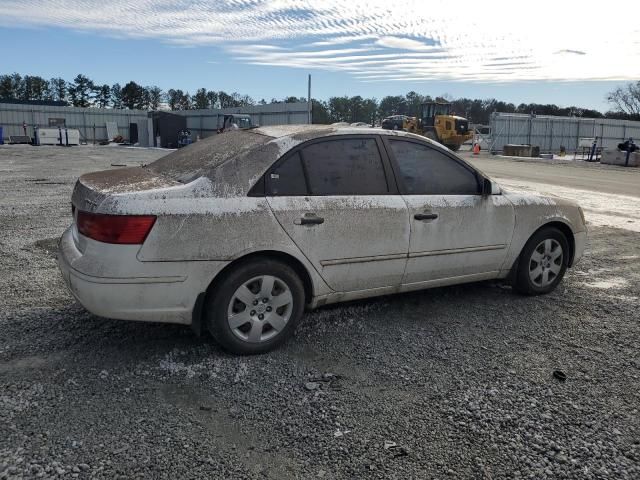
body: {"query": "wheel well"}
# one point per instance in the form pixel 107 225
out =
pixel 565 229
pixel 568 234
pixel 298 267
pixel 290 260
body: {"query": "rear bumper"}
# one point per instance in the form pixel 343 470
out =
pixel 162 297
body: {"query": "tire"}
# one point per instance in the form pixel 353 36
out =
pixel 225 309
pixel 542 262
pixel 431 135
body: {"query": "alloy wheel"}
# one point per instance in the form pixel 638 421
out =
pixel 260 309
pixel 546 263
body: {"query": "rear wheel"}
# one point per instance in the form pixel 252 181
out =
pixel 542 263
pixel 255 307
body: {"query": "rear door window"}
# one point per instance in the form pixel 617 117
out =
pixel 350 166
pixel 426 171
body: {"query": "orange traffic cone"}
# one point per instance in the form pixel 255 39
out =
pixel 476 148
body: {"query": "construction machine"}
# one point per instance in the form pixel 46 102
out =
pixel 184 138
pixel 236 121
pixel 436 122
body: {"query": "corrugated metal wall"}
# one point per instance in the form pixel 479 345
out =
pixel 550 133
pixel 206 122
pixel 92 121
pixel 87 120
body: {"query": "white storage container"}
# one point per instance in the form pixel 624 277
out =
pixel 51 136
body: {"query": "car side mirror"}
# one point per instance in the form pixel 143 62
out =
pixel 486 187
pixel 489 187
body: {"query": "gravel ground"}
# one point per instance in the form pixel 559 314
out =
pixel 448 383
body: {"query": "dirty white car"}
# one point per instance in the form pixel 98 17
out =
pixel 238 233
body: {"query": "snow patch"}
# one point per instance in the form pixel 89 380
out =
pixel 624 298
pixel 609 283
pixel 176 363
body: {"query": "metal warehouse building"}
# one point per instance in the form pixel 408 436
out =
pixel 91 122
pixel 550 133
pixel 206 122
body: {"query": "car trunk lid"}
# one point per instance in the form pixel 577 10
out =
pixel 92 188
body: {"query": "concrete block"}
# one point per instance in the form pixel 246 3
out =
pixel 616 157
pixel 521 151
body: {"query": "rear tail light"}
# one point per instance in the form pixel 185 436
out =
pixel 120 229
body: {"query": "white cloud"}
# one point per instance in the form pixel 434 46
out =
pixel 375 40
pixel 403 44
pixel 340 40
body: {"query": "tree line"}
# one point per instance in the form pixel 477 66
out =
pixel 84 92
pixel 358 109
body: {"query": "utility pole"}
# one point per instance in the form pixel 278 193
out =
pixel 309 99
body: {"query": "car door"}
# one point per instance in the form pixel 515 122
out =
pixel 336 199
pixel 456 232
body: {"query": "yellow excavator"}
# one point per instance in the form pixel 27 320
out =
pixel 436 122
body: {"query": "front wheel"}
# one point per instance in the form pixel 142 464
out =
pixel 542 263
pixel 256 307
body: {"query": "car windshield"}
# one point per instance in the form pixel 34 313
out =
pixel 243 122
pixel 200 158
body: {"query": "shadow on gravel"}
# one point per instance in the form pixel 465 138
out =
pixel 427 324
pixel 48 246
pixel 92 341
pixel 433 303
pixel 97 342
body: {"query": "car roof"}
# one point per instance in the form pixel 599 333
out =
pixel 277 131
pixel 309 132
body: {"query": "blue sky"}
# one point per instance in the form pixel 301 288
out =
pixel 266 48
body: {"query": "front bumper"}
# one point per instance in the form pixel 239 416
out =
pixel 580 239
pixel 158 296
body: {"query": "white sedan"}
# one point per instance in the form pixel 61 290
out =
pixel 238 233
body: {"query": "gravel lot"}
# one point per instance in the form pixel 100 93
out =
pixel 447 383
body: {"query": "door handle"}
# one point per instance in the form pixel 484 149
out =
pixel 425 216
pixel 311 219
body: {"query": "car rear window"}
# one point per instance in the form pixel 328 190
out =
pixel 200 158
pixel 345 167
